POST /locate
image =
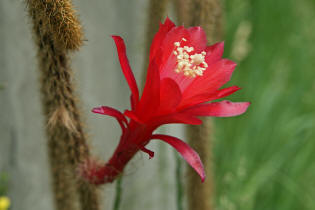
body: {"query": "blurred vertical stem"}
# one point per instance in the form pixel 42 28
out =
pixel 200 195
pixel 57 32
pixel 157 9
pixel 179 184
pixel 208 14
pixel 183 9
pixel 118 194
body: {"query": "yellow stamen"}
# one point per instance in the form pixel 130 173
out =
pixel 189 64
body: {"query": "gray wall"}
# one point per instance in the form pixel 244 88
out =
pixel 148 184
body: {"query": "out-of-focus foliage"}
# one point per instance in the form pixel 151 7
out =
pixel 3 183
pixel 265 158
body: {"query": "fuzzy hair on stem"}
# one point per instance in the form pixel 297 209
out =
pixel 60 17
pixel 56 32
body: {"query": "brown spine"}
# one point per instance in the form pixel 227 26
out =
pixel 208 14
pixel 59 17
pixel 57 31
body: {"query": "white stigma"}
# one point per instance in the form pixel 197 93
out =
pixel 189 63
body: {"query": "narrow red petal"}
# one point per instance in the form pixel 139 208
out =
pixel 201 98
pixel 150 99
pixel 159 37
pixel 133 102
pixel 224 92
pixel 105 110
pixel 174 35
pixel 219 109
pixel 177 117
pixel 214 52
pixel 214 77
pixel 124 63
pixel 190 155
pixel 170 95
pixel 198 38
pixel 182 118
pixel 132 116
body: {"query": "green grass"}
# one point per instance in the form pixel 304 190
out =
pixel 264 160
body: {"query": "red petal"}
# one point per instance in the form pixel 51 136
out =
pixel 198 38
pixel 133 102
pixel 124 63
pixel 208 96
pixel 105 110
pixel 219 109
pixel 214 77
pixel 178 117
pixel 183 118
pixel 150 100
pixel 214 53
pixel 159 37
pixel 132 116
pixel 174 35
pixel 170 95
pixel 186 152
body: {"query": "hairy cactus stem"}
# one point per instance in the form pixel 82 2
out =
pixel 57 31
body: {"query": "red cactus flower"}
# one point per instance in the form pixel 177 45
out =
pixel 183 74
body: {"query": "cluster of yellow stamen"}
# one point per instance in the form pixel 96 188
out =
pixel 190 64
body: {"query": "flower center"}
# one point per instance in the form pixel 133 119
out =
pixel 189 63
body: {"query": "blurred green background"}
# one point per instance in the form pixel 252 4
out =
pixel 3 183
pixel 264 160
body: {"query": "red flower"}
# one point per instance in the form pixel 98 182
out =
pixel 183 74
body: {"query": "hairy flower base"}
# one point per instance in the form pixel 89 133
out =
pixel 131 143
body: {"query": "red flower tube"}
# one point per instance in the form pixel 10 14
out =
pixel 183 75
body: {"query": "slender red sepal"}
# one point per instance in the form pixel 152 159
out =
pixel 190 155
pixel 182 117
pixel 124 63
pixel 150 99
pixel 149 152
pixel 219 109
pixel 105 110
pixel 159 37
pixel 198 99
pixel 133 116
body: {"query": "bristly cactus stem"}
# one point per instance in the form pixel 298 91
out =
pixel 207 14
pixel 60 17
pixel 200 195
pixel 183 11
pixel 57 31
